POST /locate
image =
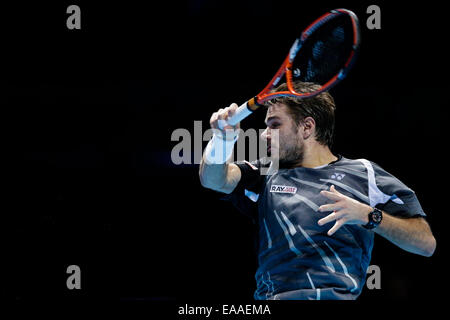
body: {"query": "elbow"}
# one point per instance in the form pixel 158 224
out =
pixel 432 246
pixel 215 186
pixel 429 247
pixel 205 183
pixel 208 184
pixel 429 241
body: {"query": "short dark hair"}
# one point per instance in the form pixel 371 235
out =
pixel 321 108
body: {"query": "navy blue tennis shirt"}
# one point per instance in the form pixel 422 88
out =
pixel 296 258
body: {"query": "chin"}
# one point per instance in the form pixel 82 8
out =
pixel 273 157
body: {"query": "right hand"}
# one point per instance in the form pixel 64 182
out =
pixel 224 114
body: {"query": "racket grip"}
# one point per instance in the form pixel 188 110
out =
pixel 241 113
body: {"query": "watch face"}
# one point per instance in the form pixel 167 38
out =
pixel 376 216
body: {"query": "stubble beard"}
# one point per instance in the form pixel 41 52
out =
pixel 292 155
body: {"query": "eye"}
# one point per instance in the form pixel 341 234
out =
pixel 274 125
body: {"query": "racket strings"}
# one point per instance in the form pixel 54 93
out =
pixel 324 52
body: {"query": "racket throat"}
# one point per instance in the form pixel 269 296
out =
pixel 253 104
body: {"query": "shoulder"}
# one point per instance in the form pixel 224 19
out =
pixel 360 164
pixel 377 174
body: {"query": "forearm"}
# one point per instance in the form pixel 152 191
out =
pixel 410 234
pixel 215 170
pixel 213 176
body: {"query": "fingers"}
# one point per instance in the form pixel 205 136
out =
pixel 330 207
pixel 232 109
pixel 337 225
pixel 331 217
pixel 214 119
pixel 333 190
pixel 341 211
pixel 339 216
pixel 331 195
pixel 219 119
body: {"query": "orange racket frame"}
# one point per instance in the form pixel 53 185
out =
pixel 254 103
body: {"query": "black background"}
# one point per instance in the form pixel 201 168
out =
pixel 88 116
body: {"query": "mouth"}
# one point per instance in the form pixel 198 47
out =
pixel 269 146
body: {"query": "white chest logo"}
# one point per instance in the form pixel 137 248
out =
pixel 338 176
pixel 282 189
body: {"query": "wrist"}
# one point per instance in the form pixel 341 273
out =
pixel 220 147
pixel 227 135
pixel 374 218
pixel 366 212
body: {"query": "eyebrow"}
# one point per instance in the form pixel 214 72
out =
pixel 271 118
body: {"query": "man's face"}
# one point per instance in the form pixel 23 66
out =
pixel 290 142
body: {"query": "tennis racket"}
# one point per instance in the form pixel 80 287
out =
pixel 323 54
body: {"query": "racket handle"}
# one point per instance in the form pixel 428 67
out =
pixel 241 113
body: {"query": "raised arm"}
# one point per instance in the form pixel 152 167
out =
pixel 215 173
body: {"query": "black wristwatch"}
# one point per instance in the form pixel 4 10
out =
pixel 375 218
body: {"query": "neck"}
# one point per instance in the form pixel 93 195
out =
pixel 316 155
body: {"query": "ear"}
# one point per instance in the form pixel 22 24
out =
pixel 308 127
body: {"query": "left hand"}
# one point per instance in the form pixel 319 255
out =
pixel 345 210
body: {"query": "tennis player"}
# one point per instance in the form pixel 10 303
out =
pixel 318 213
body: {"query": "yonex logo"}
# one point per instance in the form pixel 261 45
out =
pixel 338 176
pixel 283 189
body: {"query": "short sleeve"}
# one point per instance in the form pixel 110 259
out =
pixel 246 194
pixel 394 196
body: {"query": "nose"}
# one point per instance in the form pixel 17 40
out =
pixel 265 135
